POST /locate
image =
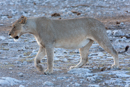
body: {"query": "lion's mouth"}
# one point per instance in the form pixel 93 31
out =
pixel 16 37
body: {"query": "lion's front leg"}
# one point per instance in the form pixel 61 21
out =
pixel 50 54
pixel 39 56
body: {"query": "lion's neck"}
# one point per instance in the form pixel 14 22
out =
pixel 30 26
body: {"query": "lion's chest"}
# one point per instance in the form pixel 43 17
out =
pixel 71 44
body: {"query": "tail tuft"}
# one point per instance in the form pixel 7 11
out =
pixel 126 49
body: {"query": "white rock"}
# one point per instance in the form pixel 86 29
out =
pixel 76 84
pixel 8 81
pixel 53 79
pixel 91 79
pixel 80 72
pixel 64 60
pixel 56 58
pixel 100 54
pixel 48 83
pixel 120 74
pixel 118 33
pixel 69 13
pixel 93 85
pixel 127 85
pixel 114 81
pixel 109 32
pixel 6 63
pixel 127 41
pixel 124 38
pixel 10 68
pixel 121 24
pixel 61 78
pixel 63 10
pixel 20 75
pixel 95 67
pixel 25 62
pixel 1 24
pixel 2 38
pixel 21 86
pixel 4 17
pixel 34 11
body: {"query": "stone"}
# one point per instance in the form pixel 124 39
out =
pixel 61 78
pixel 118 33
pixel 21 86
pixel 8 81
pixel 20 75
pixel 127 85
pixel 109 32
pixel 100 54
pixel 64 60
pixel 121 24
pixel 10 68
pixel 80 72
pixel 25 62
pixel 48 83
pixel 76 84
pixel 2 38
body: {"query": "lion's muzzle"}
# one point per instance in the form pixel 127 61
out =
pixel 17 37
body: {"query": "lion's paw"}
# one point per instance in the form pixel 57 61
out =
pixel 116 67
pixel 39 67
pixel 48 72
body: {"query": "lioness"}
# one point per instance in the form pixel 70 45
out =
pixel 68 33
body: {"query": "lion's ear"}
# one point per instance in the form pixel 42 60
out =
pixel 22 20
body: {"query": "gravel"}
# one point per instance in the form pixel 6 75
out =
pixel 17 67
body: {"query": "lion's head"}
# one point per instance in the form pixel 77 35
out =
pixel 17 30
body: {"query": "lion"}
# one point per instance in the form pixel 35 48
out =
pixel 78 33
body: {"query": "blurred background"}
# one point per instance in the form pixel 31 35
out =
pixel 10 10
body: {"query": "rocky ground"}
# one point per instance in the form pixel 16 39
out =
pixel 16 58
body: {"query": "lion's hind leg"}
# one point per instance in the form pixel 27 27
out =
pixel 105 43
pixel 84 55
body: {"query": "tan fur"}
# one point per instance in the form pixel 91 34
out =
pixel 70 33
pixel 22 20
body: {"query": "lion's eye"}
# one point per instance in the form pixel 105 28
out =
pixel 14 27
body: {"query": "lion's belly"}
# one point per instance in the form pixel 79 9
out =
pixel 71 44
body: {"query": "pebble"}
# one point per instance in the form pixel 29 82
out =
pixel 1 24
pixel 91 79
pixel 25 63
pixel 109 32
pixel 127 85
pixel 100 54
pixel 10 68
pixel 8 81
pixel 56 58
pixel 48 83
pixel 20 74
pixel 121 24
pixel 6 63
pixel 2 38
pixel 118 33
pixel 95 67
pixel 65 10
pixel 81 72
pixel 76 84
pixel 21 86
pixel 62 78
pixel 64 60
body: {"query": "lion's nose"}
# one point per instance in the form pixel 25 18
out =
pixel 9 34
